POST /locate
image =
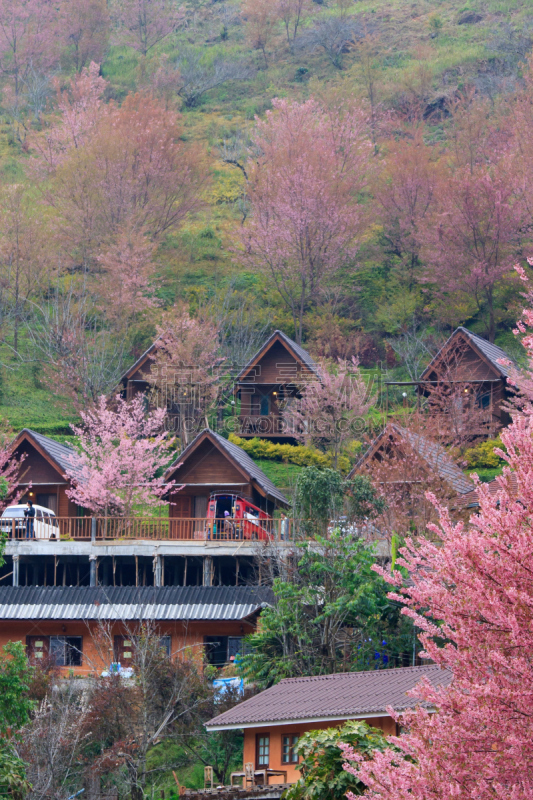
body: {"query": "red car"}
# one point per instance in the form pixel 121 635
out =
pixel 230 516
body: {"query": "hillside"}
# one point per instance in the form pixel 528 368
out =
pixel 407 64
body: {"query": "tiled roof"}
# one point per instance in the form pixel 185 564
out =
pixel 432 453
pixel 471 499
pixel 62 455
pixel 331 697
pixel 297 349
pixel 238 455
pixel 131 602
pixel 492 352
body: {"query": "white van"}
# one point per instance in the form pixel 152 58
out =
pixel 13 523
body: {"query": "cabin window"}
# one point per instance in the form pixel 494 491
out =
pixel 288 749
pixel 265 406
pixel 165 643
pixel 484 400
pixel 221 649
pixel 64 651
pixel 263 750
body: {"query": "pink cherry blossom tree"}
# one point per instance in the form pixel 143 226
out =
pixel 79 108
pixel 185 372
pixel 303 191
pixel 143 24
pixel 329 412
pixel 123 451
pixel 473 238
pixel 472 600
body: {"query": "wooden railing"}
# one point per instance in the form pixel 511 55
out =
pixel 102 529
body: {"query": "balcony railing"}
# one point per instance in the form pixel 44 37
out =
pixel 114 529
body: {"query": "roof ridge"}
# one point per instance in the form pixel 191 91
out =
pixel 331 675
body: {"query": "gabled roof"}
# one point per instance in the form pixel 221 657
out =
pixel 238 457
pixel 140 361
pixel 60 456
pixel 489 352
pixel 347 695
pixel 133 603
pixel 431 452
pixel 296 350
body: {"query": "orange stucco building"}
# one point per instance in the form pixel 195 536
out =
pixel 83 630
pixel 274 720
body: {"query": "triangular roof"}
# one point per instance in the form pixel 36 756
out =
pixel 296 351
pixel 490 353
pixel 241 460
pixel 60 456
pixel 341 696
pixel 140 361
pixel 431 452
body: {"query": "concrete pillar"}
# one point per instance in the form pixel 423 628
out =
pixel 208 571
pixel 93 530
pixel 92 570
pixel 16 570
pixel 157 570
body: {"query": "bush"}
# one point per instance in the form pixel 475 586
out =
pixel 483 455
pixel 294 454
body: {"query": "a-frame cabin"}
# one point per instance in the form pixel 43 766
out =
pixel 210 464
pixel 467 358
pixel 273 376
pixel 44 463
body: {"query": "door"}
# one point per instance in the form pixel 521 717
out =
pixel 181 513
pixel 123 650
pixel 37 648
pixel 200 512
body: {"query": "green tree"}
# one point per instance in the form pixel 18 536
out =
pixel 15 709
pixel 331 614
pixel 322 773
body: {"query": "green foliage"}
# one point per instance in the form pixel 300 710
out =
pixel 322 774
pixel 332 613
pixel 15 677
pixel 318 494
pixel 13 781
pixel 294 454
pixel 483 455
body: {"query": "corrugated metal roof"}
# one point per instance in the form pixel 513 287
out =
pixel 332 697
pixel 62 455
pixel 297 349
pixel 131 602
pixel 238 455
pixel 492 352
pixel 433 454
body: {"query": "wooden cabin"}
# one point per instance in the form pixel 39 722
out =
pixel 135 380
pixel 468 359
pixel 83 629
pixel 269 380
pixel 42 472
pixel 418 458
pixel 210 464
pixel 275 719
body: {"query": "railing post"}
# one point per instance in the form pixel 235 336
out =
pixel 92 570
pixel 93 531
pixel 16 570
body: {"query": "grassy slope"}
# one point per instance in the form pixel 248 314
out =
pixel 198 262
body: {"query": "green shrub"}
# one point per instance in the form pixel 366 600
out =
pixel 294 454
pixel 483 455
